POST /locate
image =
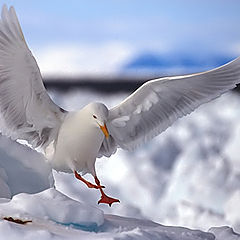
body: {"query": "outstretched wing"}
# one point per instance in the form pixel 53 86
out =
pixel 26 110
pixel 158 103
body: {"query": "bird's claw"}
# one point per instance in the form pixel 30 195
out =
pixel 107 200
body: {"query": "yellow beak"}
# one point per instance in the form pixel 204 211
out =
pixel 104 130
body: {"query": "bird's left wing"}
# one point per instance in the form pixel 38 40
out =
pixel 26 110
pixel 158 103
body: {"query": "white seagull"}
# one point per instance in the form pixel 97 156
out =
pixel 71 141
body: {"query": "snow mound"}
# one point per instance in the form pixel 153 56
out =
pixel 131 228
pixel 54 206
pixel 22 170
pixel 56 216
pixel 224 233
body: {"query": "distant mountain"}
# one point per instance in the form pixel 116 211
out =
pixel 154 63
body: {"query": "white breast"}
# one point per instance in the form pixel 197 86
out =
pixel 77 146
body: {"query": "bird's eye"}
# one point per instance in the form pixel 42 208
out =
pixel 94 116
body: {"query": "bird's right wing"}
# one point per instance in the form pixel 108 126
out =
pixel 26 110
pixel 158 103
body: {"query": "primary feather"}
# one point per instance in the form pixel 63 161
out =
pixel 158 103
pixel 27 112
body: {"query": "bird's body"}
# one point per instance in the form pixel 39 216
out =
pixel 71 141
pixel 77 145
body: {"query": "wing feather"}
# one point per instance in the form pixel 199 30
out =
pixel 158 103
pixel 26 110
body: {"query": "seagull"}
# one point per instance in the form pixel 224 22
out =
pixel 71 141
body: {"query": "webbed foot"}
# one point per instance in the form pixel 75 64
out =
pixel 107 200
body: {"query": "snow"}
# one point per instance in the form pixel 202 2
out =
pixel 54 206
pixel 232 214
pixel 22 170
pixel 189 176
pixel 226 233
pixel 55 216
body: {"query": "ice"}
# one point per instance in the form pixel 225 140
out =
pixel 22 170
pixel 224 233
pixel 232 210
pixel 52 205
pixel 55 216
pixel 5 191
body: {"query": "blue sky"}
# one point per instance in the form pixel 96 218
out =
pixel 130 26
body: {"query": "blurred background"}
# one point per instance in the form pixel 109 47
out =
pixel 102 51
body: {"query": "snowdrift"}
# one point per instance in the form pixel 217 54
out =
pixel 55 216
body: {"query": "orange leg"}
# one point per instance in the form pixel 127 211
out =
pixel 90 185
pixel 104 198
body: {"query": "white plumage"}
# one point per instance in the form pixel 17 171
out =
pixel 71 141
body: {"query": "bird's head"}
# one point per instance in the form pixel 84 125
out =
pixel 98 114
